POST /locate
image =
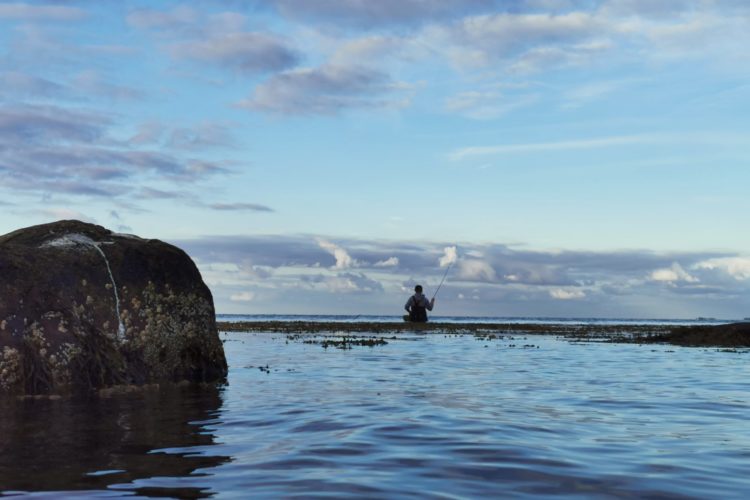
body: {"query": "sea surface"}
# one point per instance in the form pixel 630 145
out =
pixel 472 319
pixel 421 416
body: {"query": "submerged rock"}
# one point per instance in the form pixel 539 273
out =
pixel 84 308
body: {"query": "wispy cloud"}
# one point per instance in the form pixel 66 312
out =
pixel 220 40
pixel 326 90
pixel 32 12
pixel 28 85
pixel 240 207
pixel 246 52
pixel 363 14
pixel 601 142
pixel 74 151
pixel 708 138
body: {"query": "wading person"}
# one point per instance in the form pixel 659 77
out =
pixel 417 306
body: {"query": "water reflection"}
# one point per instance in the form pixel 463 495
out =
pixel 114 442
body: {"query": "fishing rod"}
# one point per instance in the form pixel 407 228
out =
pixel 442 280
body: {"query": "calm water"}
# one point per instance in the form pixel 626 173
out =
pixel 423 416
pixel 472 319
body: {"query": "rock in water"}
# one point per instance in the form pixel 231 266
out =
pixel 83 308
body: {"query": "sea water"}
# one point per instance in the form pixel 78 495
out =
pixel 422 416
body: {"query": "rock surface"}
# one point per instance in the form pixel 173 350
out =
pixel 83 308
pixel 728 335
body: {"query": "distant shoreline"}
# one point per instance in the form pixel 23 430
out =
pixel 729 335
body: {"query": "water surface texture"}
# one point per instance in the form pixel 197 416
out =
pixel 421 416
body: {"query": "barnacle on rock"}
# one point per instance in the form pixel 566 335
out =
pixel 11 369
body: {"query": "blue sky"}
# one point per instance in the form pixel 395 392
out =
pixel 584 158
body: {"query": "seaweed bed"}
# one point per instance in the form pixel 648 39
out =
pixel 727 335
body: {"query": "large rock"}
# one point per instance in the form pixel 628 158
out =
pixel 84 308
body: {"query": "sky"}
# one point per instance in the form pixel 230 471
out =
pixel 557 158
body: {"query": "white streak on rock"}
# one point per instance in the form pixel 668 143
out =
pixel 120 325
pixel 77 239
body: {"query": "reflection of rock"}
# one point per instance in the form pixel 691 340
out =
pixel 91 443
pixel 84 308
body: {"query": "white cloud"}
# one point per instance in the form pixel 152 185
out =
pixel 736 267
pixel 390 262
pixel 449 257
pixel 343 259
pixel 563 294
pixel 673 274
pixel 242 297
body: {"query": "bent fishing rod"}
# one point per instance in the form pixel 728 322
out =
pixel 442 280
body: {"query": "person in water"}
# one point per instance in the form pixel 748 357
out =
pixel 418 305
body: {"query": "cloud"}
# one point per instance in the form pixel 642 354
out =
pixel 325 90
pixel 483 40
pixel 181 18
pixel 29 12
pixel 242 297
pixel 73 151
pixel 247 268
pixel 736 267
pixel 344 283
pixel 216 39
pixel 367 48
pixel 26 124
pixel 499 279
pixel 92 83
pixel 390 262
pixel 647 8
pixel 149 193
pixel 370 14
pixel 449 257
pixel 487 104
pixel 673 274
pixel 20 83
pixel 202 136
pixel 581 144
pixel 148 133
pixel 246 52
pixel 343 259
pixel 565 294
pixel 242 207
pixel 476 270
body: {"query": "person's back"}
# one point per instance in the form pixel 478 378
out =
pixel 417 306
